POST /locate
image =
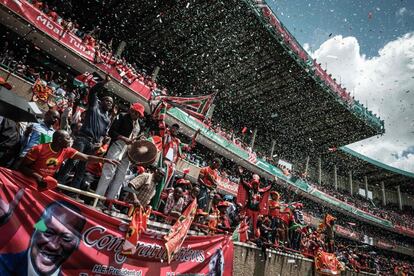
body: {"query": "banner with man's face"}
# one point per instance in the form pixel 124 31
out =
pixel 46 233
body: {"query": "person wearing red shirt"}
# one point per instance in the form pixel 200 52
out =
pixel 43 160
pixel 223 219
pixel 208 179
pixel 274 213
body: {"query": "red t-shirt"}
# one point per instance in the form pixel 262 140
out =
pixel 47 161
pixel 96 168
pixel 274 212
pixel 208 173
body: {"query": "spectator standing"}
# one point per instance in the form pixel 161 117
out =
pixel 9 141
pixel 123 132
pixel 142 187
pixel 40 133
pixel 94 128
pixel 208 179
pixel 255 197
pixel 175 203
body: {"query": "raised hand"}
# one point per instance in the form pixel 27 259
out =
pixel 6 209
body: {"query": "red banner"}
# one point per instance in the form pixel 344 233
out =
pixel 404 230
pixel 74 43
pixel 345 232
pixel 227 186
pixel 384 244
pixel 50 233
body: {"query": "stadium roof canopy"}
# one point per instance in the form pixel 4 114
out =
pixel 229 47
pixel 347 159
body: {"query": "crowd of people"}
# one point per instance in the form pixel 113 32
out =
pixel 403 218
pixel 95 155
pixel 88 143
pixel 390 212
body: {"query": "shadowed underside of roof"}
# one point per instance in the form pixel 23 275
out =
pixel 207 46
pixel 361 165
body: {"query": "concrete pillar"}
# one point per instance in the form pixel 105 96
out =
pixel 210 111
pixel 307 165
pixel 366 186
pixel 351 188
pixel 272 149
pixel 336 178
pixel 120 49
pixel 400 205
pixel 253 138
pixel 155 73
pixel 384 198
pixel 319 170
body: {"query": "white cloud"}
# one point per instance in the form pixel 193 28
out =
pixel 307 47
pixel 402 11
pixel 386 83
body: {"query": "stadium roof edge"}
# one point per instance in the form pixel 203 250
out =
pixel 376 162
pixel 358 109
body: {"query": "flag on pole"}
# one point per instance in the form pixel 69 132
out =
pixel 175 237
pixel 137 226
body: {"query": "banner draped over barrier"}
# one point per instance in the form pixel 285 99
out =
pixel 48 232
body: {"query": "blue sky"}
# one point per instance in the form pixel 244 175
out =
pixel 372 22
pixel 369 46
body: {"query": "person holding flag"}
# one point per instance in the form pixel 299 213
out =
pixel 327 227
pixel 171 150
pixel 252 197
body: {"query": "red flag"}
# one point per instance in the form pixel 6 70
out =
pixel 241 195
pixel 327 263
pixel 252 157
pixel 41 92
pixel 137 226
pixel 86 79
pixel 241 232
pixel 175 237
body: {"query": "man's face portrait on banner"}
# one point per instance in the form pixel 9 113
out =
pixel 57 235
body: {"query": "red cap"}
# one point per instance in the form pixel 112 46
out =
pixel 138 108
pixel 140 169
pixel 183 181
